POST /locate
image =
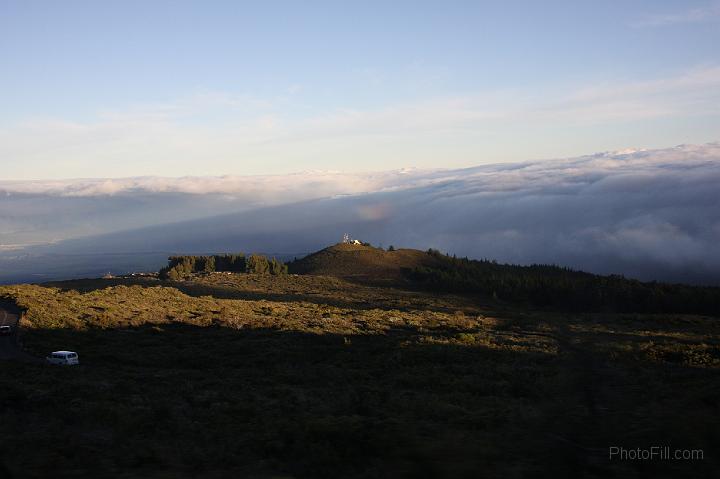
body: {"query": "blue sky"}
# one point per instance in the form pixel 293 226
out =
pixel 131 88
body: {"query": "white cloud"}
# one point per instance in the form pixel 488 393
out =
pixel 643 213
pixel 261 189
pixel 218 133
pixel 694 15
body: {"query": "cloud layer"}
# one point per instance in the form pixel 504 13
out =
pixel 646 214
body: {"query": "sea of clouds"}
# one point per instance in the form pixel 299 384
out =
pixel 650 214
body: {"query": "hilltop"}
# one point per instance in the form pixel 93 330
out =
pixel 364 263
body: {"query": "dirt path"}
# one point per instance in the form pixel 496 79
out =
pixel 9 346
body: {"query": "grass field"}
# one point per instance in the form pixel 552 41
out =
pixel 310 376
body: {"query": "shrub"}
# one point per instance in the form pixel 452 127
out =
pixel 257 264
pixel 278 267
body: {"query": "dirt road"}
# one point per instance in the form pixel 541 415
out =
pixel 9 346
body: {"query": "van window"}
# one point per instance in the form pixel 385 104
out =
pixel 72 356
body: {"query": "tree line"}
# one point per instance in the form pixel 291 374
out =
pixel 563 288
pixel 181 266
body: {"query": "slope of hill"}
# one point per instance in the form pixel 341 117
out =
pixel 538 285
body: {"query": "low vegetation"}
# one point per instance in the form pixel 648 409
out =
pixel 254 375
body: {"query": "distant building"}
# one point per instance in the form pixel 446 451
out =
pixel 348 240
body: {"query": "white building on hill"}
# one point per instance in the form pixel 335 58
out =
pixel 348 240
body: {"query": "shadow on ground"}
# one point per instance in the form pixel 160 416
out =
pixel 175 400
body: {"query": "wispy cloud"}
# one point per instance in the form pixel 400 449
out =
pixel 694 15
pixel 219 133
pixel 256 189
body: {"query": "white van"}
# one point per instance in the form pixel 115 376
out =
pixel 63 358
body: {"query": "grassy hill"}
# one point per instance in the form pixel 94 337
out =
pixel 548 286
pixel 362 263
pixel 248 375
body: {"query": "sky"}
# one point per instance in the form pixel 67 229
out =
pixel 129 88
